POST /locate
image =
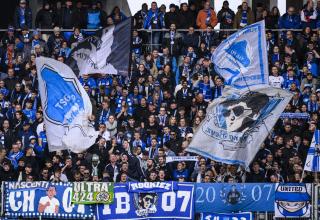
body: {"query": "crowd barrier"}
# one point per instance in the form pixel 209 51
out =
pixel 170 200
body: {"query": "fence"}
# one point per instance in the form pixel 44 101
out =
pixel 22 200
pixel 149 34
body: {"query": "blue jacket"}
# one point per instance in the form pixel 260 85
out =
pixel 153 20
pixel 289 21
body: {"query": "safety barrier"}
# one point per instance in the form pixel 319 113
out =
pixel 165 199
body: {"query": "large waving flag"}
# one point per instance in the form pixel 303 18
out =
pixel 66 107
pixel 313 157
pixel 237 123
pixel 242 59
pixel 105 52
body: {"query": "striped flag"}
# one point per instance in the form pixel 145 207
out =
pixel 313 158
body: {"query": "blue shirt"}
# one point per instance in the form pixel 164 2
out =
pixel 90 82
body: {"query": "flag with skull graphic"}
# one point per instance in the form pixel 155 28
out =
pixel 237 123
pixel 292 200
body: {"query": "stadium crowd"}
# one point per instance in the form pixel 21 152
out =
pixel 154 112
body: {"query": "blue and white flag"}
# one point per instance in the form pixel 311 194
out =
pixel 108 51
pixel 230 198
pixel 313 157
pixel 66 107
pixel 242 58
pixel 149 203
pixel 292 200
pixel 45 199
pixel 237 123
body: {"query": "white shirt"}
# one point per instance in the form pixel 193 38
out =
pixel 53 203
pixel 276 81
pixel 40 128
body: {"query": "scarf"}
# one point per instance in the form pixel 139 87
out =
pixel 208 17
pixel 244 17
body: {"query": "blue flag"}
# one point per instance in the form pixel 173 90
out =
pixel 313 157
pixel 66 107
pixel 242 59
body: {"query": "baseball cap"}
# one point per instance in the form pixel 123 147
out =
pixel 23 1
pixel 32 137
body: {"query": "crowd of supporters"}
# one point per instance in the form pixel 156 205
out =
pixel 154 112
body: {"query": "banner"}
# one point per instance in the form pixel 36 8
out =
pixel 237 123
pixel 228 198
pixel 66 107
pixel 242 58
pixel 231 216
pixel 170 159
pixel 295 115
pixel 34 199
pixel 105 52
pixel 313 157
pixel 292 200
pixel 166 200
pixel 92 192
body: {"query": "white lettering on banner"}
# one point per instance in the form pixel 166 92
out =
pixel 292 189
pixel 172 201
pixel 106 208
pixel 149 185
pixel 122 206
pixel 27 204
pixel 186 197
pixel 168 202
pixel 23 185
pixel 28 201
pixel 12 201
pixel 209 217
pixel 208 194
pixel 66 200
pixel 90 187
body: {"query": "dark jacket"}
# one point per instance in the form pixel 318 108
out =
pixel 79 17
pixel 171 18
pixel 184 99
pixel 174 44
pixel 226 18
pixel 66 18
pixel 44 19
pixel 135 170
pixel 27 17
pixel 186 20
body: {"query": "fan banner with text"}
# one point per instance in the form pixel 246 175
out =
pixel 149 200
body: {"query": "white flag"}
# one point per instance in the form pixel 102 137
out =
pixel 105 52
pixel 66 107
pixel 237 123
pixel 242 58
pixel 313 157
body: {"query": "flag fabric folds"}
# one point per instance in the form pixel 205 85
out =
pixel 237 123
pixel 66 107
pixel 105 52
pixel 313 157
pixel 242 58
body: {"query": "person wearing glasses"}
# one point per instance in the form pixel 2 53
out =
pixel 241 114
